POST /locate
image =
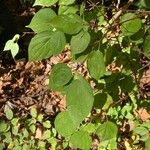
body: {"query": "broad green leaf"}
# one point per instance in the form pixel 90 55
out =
pixel 79 100
pixel 64 124
pixel 46 44
pixel 3 126
pixel 107 131
pixel 66 2
pixel 81 139
pixel 145 3
pixel 130 24
pixel 12 45
pixel 100 100
pixel 45 2
pixel 80 42
pixel 70 24
pixel 33 112
pixel 147 144
pixel 127 84
pixel 96 65
pixel 8 112
pixel 61 74
pixel 141 130
pixel 67 10
pixel 41 20
pixel 90 127
pixel 146 45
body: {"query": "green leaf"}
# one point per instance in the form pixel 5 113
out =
pixel 66 2
pixel 145 3
pixel 70 24
pixel 147 144
pixel 96 65
pixel 12 45
pixel 130 24
pixel 90 128
pixel 61 74
pixel 141 130
pixel 46 44
pixel 127 84
pixel 45 2
pixel 3 126
pixel 40 118
pixel 33 112
pixel 41 144
pixel 14 130
pixel 46 134
pixel 79 100
pixel 146 45
pixel 25 133
pixel 25 147
pixel 81 139
pixel 32 128
pixel 41 20
pixel 64 124
pixel 80 42
pixel 8 137
pixel 8 112
pixel 100 100
pixel 67 10
pixel 107 131
pixel 47 124
pixel 2 146
pixel 14 121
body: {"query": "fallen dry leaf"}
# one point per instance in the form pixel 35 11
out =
pixel 143 114
pixel 38 134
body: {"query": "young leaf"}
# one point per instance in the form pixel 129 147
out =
pixel 107 131
pixel 80 42
pixel 8 112
pixel 41 20
pixel 130 24
pixel 12 45
pixel 96 64
pixel 3 126
pixel 47 124
pixel 64 124
pixel 46 44
pixel 79 100
pixel 46 134
pixel 70 24
pixel 33 112
pixel 66 2
pixel 81 139
pixel 61 74
pixel 146 45
pixel 45 2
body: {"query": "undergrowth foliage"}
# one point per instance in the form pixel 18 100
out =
pixel 110 48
